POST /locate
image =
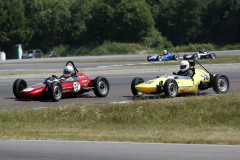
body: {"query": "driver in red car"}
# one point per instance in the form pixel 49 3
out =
pixel 68 71
pixel 184 69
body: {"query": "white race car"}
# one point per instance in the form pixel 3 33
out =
pixel 202 54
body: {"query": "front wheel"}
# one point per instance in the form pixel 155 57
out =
pixel 19 85
pixel 176 57
pixel 212 56
pixel 221 84
pixel 101 86
pixel 55 91
pixel 136 81
pixel 170 88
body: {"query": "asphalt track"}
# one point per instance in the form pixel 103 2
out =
pixel 119 75
pixel 69 150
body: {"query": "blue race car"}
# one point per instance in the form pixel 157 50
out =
pixel 166 56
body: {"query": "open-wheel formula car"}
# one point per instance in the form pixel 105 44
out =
pixel 166 56
pixel 170 85
pixel 202 54
pixel 55 88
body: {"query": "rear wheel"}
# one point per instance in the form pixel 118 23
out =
pixel 170 88
pixel 55 91
pixel 185 56
pixel 220 84
pixel 195 56
pixel 176 57
pixel 212 56
pixel 148 57
pixel 19 85
pixel 136 81
pixel 101 86
pixel 159 58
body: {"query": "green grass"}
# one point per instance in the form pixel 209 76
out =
pixel 118 48
pixel 207 119
pixel 107 48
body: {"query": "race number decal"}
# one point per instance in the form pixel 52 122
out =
pixel 204 77
pixel 76 87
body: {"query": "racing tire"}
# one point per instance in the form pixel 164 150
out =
pixel 176 57
pixel 55 91
pixel 221 84
pixel 101 86
pixel 19 85
pixel 185 57
pixel 195 56
pixel 159 58
pixel 148 57
pixel 212 56
pixel 136 81
pixel 170 88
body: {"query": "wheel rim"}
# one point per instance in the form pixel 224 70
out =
pixel 222 84
pixel 172 89
pixel 103 87
pixel 160 58
pixel 195 57
pixel 177 58
pixel 213 56
pixel 57 91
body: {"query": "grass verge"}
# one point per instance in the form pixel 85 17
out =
pixel 117 48
pixel 208 119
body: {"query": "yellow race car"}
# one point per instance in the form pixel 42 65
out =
pixel 170 84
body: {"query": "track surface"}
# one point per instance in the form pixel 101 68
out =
pixel 62 150
pixel 119 76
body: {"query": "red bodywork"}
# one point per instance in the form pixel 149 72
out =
pixel 80 85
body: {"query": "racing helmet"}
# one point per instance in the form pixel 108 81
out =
pixel 67 71
pixel 184 66
pixel 165 51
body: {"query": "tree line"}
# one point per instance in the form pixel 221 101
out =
pixel 48 23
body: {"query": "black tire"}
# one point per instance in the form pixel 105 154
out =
pixel 176 57
pixel 55 91
pixel 170 88
pixel 159 58
pixel 221 84
pixel 195 56
pixel 101 86
pixel 19 85
pixel 136 81
pixel 148 57
pixel 185 57
pixel 212 56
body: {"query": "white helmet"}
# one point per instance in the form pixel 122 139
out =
pixel 184 65
pixel 67 71
pixel 165 51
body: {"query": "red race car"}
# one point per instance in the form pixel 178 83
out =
pixel 55 87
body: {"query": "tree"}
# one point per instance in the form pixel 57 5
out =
pixel 50 19
pixel 14 27
pixel 232 18
pixel 134 19
pixel 81 11
pixel 179 21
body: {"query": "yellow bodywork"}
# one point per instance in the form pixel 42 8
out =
pixel 186 84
